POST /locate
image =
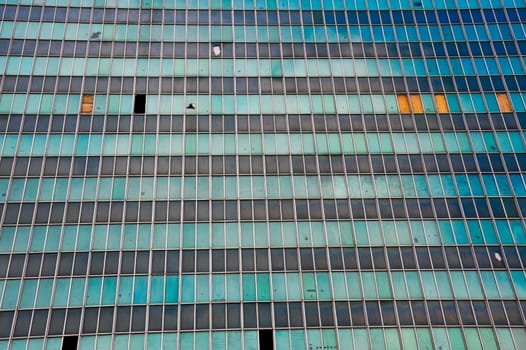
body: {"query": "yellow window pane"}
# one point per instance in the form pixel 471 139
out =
pixel 87 104
pixel 441 103
pixel 403 104
pixel 504 103
pixel 416 104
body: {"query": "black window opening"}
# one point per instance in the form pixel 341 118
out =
pixel 70 342
pixel 266 340
pixel 139 106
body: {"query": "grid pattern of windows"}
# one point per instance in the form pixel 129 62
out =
pixel 311 174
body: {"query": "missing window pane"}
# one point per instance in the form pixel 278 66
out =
pixel 70 342
pixel 140 104
pixel 266 341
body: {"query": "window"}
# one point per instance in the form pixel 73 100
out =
pixel 411 104
pixel 504 103
pixel 441 103
pixel 416 104
pixel 403 104
pixel 140 104
pixel 265 339
pixel 87 104
pixel 70 342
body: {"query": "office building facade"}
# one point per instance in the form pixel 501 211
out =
pixel 303 174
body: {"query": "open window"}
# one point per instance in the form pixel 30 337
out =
pixel 139 106
pixel 266 339
pixel 70 342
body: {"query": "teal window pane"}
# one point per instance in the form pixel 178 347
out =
pixel 159 236
pixel 383 285
pixel 460 232
pixel 279 291
pixel 69 238
pixel 53 238
pixel 120 341
pixel 17 189
pixel 201 338
pixel 472 338
pixel 5 103
pixel 323 285
pixel 108 290
pixel 61 189
pixel 263 286
pixel 503 282
pixel 332 228
pixel 444 287
pixel 143 236
pixel 140 290
pixel 519 337
pixel 202 288
pixel 249 287
pixel 29 290
pixel 100 233
pixel 125 290
pixel 490 284
pixel 428 282
pixel 218 287
pixel 187 288
pixel 154 340
pixel 377 338
pixel 62 286
pixel 440 337
pixel 172 289
pixel 130 237
pixel 10 296
pixel 339 285
pixel 94 290
pixel 413 284
pixel 488 338
pixel 233 287
pixel 519 282
pixel 505 338
pixel 45 289
pixel 399 285
pixel 354 285
pixel 476 234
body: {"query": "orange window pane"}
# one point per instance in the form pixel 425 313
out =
pixel 403 104
pixel 416 104
pixel 441 103
pixel 87 104
pixel 504 103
